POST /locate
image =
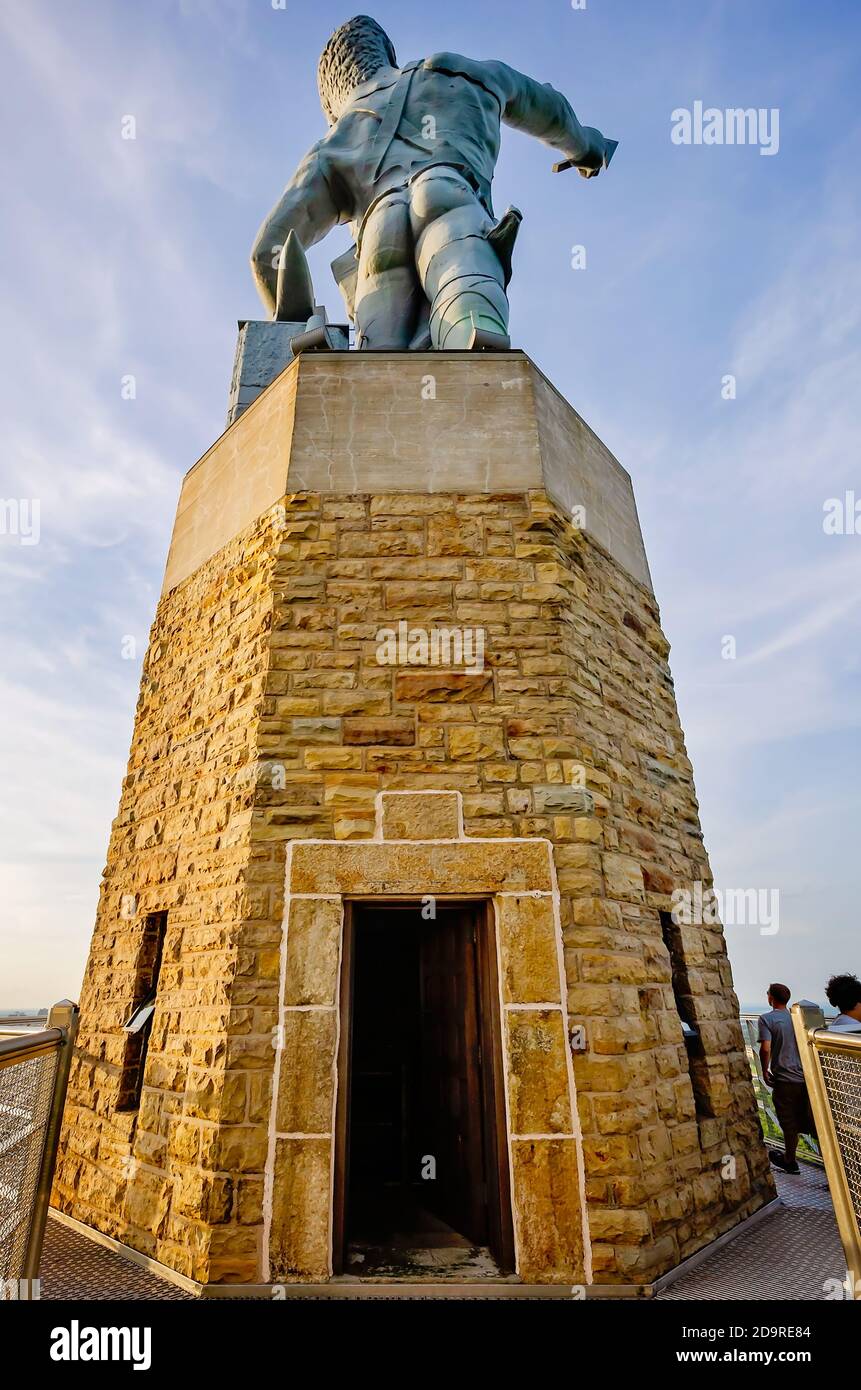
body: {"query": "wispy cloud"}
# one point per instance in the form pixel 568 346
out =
pixel 129 257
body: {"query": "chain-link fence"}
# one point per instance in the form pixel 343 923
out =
pixel 34 1069
pixel 842 1076
pixel 832 1070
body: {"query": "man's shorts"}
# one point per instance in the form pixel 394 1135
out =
pixel 792 1107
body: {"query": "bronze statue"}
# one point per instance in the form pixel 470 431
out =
pixel 408 161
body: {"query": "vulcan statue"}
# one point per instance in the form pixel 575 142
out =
pixel 407 162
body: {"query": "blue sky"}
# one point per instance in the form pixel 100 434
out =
pixel 130 257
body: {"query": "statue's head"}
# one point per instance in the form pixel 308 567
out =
pixel 353 54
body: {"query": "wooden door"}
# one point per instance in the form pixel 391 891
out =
pixel 459 1098
pixel 452 1111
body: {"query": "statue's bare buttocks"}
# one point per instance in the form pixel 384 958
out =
pixel 408 162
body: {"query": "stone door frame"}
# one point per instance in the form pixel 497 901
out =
pixel 420 850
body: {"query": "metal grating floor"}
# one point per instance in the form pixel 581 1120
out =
pixel 75 1267
pixel 791 1255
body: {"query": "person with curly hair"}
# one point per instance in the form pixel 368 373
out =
pixel 843 993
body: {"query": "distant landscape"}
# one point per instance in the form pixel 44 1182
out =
pixel 761 1007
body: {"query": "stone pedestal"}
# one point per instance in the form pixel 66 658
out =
pixel 361 497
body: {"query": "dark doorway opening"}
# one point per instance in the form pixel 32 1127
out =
pixel 421 1183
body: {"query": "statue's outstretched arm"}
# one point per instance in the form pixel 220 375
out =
pixel 307 208
pixel 538 109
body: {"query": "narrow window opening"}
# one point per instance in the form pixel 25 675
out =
pixel 138 1025
pixel 686 1009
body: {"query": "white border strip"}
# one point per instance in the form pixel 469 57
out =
pixel 335 1056
pixel 503 1027
pixel 269 1173
pixel 572 1088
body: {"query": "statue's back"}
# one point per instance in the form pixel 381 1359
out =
pixel 433 112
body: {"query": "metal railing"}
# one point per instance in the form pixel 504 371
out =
pixel 22 1023
pixel 832 1070
pixel 34 1071
pixel 772 1133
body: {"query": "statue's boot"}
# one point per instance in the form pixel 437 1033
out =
pixel 463 279
pixel 469 311
pixel 484 340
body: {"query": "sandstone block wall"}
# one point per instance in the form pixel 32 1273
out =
pixel 265 716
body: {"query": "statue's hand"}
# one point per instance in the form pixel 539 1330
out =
pixel 600 152
pixel 582 170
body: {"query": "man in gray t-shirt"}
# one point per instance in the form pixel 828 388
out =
pixel 782 1071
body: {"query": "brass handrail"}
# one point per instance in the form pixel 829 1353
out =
pixel 24 1045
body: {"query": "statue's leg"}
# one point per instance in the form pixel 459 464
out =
pixel 461 273
pixel 388 293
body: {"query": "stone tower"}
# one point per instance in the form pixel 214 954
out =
pixel 407 782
